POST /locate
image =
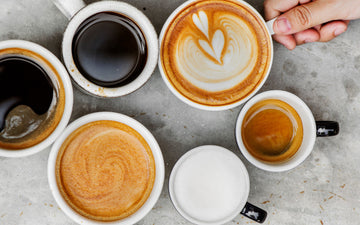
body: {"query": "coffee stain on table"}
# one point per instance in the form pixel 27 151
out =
pixel 339 196
pixel 322 223
pixel 332 193
pixel 302 192
pixel 342 186
pixel 265 202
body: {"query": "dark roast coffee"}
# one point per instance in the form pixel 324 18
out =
pixel 23 82
pixel 109 49
pixel 32 98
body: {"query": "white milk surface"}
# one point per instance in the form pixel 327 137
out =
pixel 210 185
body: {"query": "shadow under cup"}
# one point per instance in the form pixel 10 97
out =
pixel 214 55
pixel 32 97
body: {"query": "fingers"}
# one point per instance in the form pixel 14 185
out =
pixel 287 40
pixel 307 36
pixel 305 16
pixel 274 8
pixel 331 30
pixel 321 33
pixel 290 41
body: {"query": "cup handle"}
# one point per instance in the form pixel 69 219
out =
pixel 253 212
pixel 270 25
pixel 69 7
pixel 327 128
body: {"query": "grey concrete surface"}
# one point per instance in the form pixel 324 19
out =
pixel 322 190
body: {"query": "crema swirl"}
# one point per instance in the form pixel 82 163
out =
pixel 216 52
pixel 105 170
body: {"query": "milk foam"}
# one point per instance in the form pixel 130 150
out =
pixel 222 56
pixel 210 185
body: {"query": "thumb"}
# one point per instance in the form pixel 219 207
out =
pixel 305 16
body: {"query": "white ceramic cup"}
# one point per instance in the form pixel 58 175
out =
pixel 210 185
pixel 144 132
pixel 63 75
pixel 268 25
pixel 78 12
pixel 311 129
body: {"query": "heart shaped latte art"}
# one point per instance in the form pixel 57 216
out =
pixel 224 58
pixel 216 52
pixel 214 47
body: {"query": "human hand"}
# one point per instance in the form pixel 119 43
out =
pixel 302 21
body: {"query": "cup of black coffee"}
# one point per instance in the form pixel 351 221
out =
pixel 35 98
pixel 110 48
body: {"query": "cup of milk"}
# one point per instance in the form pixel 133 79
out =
pixel 210 185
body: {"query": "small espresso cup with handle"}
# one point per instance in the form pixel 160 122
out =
pixel 36 98
pixel 276 130
pixel 110 48
pixel 210 185
pixel 215 54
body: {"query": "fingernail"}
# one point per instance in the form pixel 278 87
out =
pixel 337 32
pixel 283 25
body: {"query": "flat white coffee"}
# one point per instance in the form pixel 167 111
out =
pixel 209 185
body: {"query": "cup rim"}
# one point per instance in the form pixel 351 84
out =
pixel 182 159
pixel 143 131
pixel 63 75
pixel 140 20
pixel 198 105
pixel 305 148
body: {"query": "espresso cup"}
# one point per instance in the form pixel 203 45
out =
pixel 106 168
pixel 210 185
pixel 36 98
pixel 276 130
pixel 110 48
pixel 215 55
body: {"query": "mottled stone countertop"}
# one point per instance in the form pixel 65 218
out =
pixel 322 190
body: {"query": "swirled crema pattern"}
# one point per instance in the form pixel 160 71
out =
pixel 215 52
pixel 105 170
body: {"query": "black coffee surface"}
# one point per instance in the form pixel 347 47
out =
pixel 109 49
pixel 23 82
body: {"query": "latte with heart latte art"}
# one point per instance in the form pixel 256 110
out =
pixel 216 53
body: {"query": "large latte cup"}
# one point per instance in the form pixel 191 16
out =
pixel 110 48
pixel 106 168
pixel 215 54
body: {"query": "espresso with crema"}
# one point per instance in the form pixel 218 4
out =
pixel 272 131
pixel 105 170
pixel 216 53
pixel 32 98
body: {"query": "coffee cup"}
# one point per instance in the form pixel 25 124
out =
pixel 36 98
pixel 210 185
pixel 215 55
pixel 110 48
pixel 106 168
pixel 276 130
